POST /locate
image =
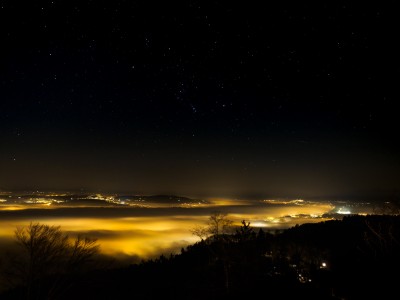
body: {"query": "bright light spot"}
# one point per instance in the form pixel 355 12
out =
pixel 259 224
pixel 343 211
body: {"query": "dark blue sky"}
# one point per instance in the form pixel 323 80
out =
pixel 218 98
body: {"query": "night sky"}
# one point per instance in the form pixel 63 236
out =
pixel 204 98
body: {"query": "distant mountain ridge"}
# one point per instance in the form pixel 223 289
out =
pixel 162 198
pixel 97 199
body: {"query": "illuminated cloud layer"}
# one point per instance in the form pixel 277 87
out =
pixel 154 229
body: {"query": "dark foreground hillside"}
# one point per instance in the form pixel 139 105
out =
pixel 354 258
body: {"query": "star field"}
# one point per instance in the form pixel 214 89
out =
pixel 194 98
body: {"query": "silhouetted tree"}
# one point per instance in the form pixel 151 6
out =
pixel 219 224
pixel 245 232
pixel 200 231
pixel 46 254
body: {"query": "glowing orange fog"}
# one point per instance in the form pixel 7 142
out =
pixel 147 236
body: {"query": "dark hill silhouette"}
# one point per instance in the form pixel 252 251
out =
pixel 163 199
pixel 353 258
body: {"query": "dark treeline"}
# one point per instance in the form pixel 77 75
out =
pixel 353 258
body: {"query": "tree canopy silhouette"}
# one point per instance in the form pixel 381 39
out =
pixel 44 259
pixel 218 225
